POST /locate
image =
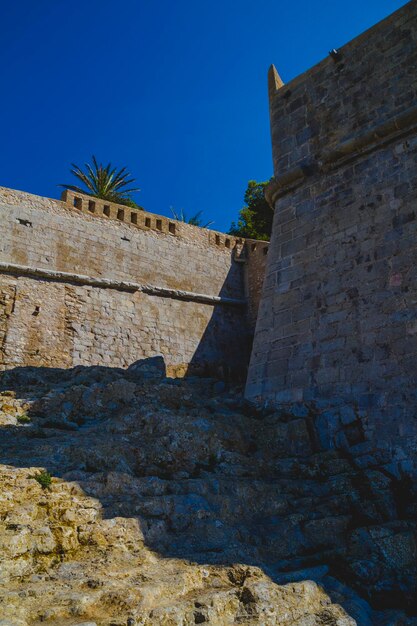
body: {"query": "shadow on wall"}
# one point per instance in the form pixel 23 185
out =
pixel 53 322
pixel 224 348
pixel 211 478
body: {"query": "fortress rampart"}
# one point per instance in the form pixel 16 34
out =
pixel 83 281
pixel 337 325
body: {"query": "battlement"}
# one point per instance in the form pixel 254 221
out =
pixel 144 220
pixel 142 284
pixel 83 205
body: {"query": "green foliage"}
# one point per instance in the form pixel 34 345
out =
pixel 255 219
pixel 107 183
pixel 128 202
pixel 194 220
pixel 23 419
pixel 44 478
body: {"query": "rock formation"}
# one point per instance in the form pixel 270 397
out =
pixel 175 502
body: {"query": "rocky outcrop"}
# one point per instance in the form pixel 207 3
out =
pixel 131 499
pixel 62 562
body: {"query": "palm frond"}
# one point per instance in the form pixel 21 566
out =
pixel 83 177
pixel 108 183
pixel 127 191
pixel 195 220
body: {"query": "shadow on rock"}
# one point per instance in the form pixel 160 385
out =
pixel 213 479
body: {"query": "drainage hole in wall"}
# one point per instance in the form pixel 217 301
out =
pixel 24 222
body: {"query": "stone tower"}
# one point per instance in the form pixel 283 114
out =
pixel 337 326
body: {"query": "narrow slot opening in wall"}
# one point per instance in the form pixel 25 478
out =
pixel 265 251
pixel 171 227
pixel 217 240
pixel 78 203
pixel 134 218
pixel 91 206
pixel 106 210
pixel 120 214
pixel 19 220
pixel 159 224
pixel 227 243
pixel 253 247
pixel 147 222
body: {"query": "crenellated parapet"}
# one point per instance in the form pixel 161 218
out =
pixel 139 218
pixel 86 281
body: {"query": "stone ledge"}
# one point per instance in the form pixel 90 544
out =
pixel 105 283
pixel 372 139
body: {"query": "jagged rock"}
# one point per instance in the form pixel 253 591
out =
pixel 161 485
pixel 71 562
pixel 12 411
pixel 151 368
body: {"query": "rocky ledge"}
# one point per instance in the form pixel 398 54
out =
pixel 130 499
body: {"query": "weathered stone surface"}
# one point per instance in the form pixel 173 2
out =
pixel 108 574
pixel 160 485
pixel 12 412
pixel 337 320
pixel 130 499
pixel 79 288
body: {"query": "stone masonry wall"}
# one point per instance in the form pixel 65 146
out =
pixel 255 255
pixel 337 325
pixel 187 302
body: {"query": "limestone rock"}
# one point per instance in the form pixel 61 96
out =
pixel 172 505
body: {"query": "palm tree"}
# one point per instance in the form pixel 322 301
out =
pixel 195 220
pixel 104 182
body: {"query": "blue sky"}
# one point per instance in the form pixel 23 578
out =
pixel 175 90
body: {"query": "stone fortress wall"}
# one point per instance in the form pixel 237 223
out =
pixel 337 325
pixel 84 282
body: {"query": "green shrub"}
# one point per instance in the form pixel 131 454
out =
pixel 44 478
pixel 23 419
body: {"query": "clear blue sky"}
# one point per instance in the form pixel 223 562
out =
pixel 175 90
